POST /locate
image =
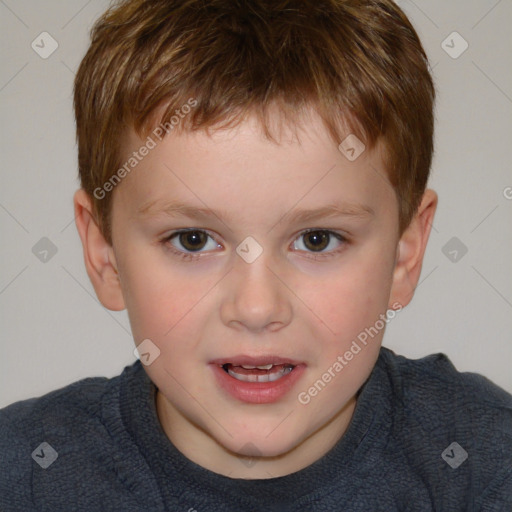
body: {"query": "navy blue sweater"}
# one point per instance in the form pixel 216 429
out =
pixel 423 437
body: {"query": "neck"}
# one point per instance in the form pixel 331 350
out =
pixel 203 449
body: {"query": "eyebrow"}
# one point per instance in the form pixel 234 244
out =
pixel 177 209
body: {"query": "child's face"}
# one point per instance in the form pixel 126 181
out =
pixel 289 305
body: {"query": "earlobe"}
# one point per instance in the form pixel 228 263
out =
pixel 411 250
pixel 99 256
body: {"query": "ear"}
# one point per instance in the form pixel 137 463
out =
pixel 99 256
pixel 410 251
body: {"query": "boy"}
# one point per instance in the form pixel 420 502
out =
pixel 254 194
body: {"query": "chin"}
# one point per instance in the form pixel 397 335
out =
pixel 254 444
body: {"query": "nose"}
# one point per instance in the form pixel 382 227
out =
pixel 255 298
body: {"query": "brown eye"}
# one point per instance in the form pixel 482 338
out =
pixel 316 240
pixel 190 244
pixel 321 241
pixel 192 240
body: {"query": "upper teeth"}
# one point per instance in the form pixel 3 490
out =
pixel 262 367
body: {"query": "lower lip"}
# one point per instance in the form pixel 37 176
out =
pixel 257 392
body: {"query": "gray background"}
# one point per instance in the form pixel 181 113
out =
pixel 54 331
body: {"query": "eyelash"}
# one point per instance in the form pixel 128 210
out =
pixel 190 256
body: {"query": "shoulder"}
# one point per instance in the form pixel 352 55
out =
pixel 437 373
pixel 433 381
pixel 60 424
pixel 78 401
pixel 79 396
pixel 456 427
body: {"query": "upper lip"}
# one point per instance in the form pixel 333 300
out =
pixel 247 360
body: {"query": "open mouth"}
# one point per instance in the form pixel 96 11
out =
pixel 257 379
pixel 263 373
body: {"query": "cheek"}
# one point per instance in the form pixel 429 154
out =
pixel 158 297
pixel 350 299
pixel 350 303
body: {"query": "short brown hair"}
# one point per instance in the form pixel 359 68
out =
pixel 358 63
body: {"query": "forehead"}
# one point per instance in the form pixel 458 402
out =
pixel 241 167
